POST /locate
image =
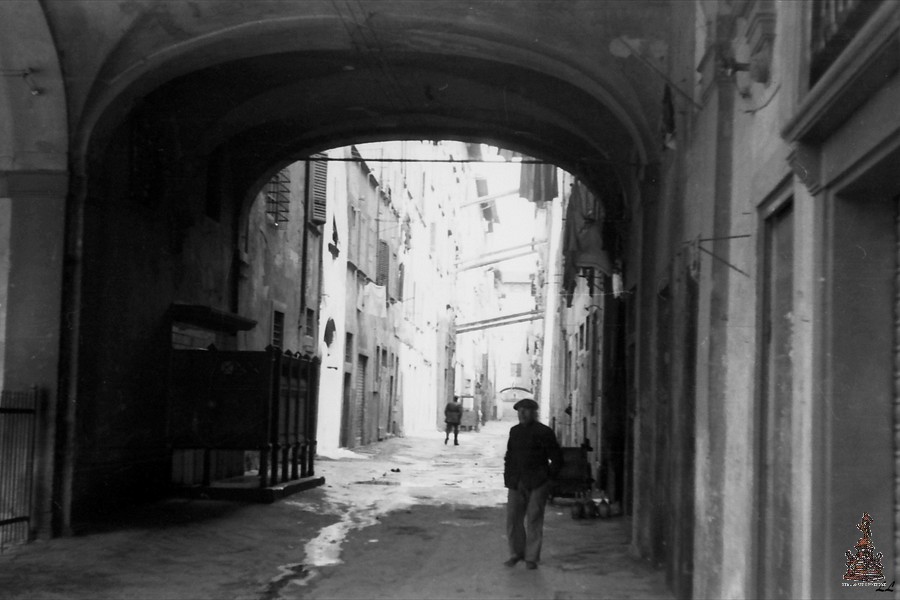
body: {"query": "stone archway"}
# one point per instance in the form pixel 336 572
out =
pixel 250 87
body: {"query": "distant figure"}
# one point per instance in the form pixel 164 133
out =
pixel 452 417
pixel 533 459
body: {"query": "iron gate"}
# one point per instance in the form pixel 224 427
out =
pixel 18 418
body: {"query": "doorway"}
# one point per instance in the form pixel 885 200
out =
pixel 360 431
pixel 346 422
pixel 775 401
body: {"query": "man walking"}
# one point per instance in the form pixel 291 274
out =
pixel 452 418
pixel 533 459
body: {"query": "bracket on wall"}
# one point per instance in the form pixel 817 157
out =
pixel 696 244
pixel 720 259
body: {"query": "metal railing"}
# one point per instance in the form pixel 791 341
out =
pixel 18 422
pixel 834 25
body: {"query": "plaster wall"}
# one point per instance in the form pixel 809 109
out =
pixel 334 306
pixel 272 267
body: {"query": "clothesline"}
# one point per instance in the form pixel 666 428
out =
pixel 524 161
pixel 531 161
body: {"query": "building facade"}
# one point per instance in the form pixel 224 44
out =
pixel 764 289
pixel 389 290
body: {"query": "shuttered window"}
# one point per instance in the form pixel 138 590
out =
pixel 318 190
pixel 383 270
pixel 348 347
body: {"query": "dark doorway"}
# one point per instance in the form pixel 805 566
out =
pixel 346 421
pixel 775 397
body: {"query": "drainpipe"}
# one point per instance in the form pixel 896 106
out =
pixel 303 254
pixel 596 408
pixel 70 331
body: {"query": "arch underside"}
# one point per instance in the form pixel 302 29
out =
pixel 271 81
pixel 269 110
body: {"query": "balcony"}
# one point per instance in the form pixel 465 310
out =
pixel 834 24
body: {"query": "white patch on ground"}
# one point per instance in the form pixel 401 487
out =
pixel 464 524
pixel 432 474
pixel 325 549
pixel 341 453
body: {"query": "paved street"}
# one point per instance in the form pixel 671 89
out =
pixel 432 530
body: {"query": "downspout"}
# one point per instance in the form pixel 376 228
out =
pixel 305 243
pixel 377 383
pixel 70 334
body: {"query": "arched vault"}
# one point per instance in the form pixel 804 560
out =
pixel 277 79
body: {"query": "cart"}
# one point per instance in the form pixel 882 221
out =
pixel 469 421
pixel 574 479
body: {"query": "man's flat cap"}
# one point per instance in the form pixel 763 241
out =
pixel 525 403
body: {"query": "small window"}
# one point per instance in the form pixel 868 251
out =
pixel 581 337
pixel 278 329
pixel 348 348
pixel 516 370
pixel 278 197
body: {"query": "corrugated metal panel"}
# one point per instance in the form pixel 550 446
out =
pixel 361 365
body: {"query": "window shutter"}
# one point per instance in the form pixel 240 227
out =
pixel 384 264
pixel 318 175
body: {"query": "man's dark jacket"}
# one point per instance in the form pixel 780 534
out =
pixel 453 413
pixel 533 456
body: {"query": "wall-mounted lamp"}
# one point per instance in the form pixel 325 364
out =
pixel 757 68
pixel 750 50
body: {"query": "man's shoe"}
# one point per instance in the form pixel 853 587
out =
pixel 530 565
pixel 512 561
pixel 455 443
pixel 445 441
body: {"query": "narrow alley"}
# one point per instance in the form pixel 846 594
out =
pixel 258 258
pixel 432 530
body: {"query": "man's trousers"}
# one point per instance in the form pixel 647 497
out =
pixel 525 521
